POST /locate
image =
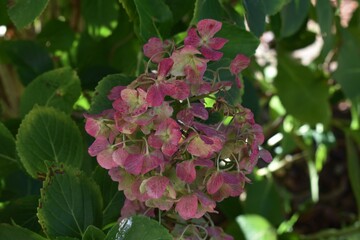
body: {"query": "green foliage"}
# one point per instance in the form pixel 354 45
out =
pixel 256 227
pixel 79 199
pixel 8 160
pixel 47 135
pixel 138 227
pixel 15 232
pixel 293 15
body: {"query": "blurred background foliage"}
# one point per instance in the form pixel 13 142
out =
pixel 303 86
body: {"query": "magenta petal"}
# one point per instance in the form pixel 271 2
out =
pixel 133 164
pixel 192 38
pixel 204 163
pixel 155 141
pixel 98 146
pixel 186 171
pixel 217 43
pixel 211 54
pixel 153 49
pixel 155 186
pixel 265 155
pixel 152 161
pixel 179 90
pixel 214 183
pixel 164 67
pixel 187 206
pixel 155 95
pixel 208 27
pixel 92 126
pixel 199 111
pixel 239 63
pixel 105 160
pixel 169 149
pixel 115 92
pixel 119 156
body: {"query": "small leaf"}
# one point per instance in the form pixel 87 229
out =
pixel 204 9
pixel 296 83
pixel 8 160
pixel 45 135
pixel 93 233
pixel 155 18
pixel 272 7
pixel 100 101
pixel 255 15
pixel 256 227
pixel 23 12
pixel 69 203
pixel 58 88
pixel 138 227
pixel 293 16
pixel 240 41
pixel 15 232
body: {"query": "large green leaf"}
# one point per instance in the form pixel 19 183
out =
pixel 100 101
pixel 155 19
pixel 138 227
pixel 302 94
pixel 17 233
pixel 23 12
pixel 325 18
pixel 30 59
pixel 348 71
pixel 48 135
pixel 58 88
pixel 293 16
pixel 255 227
pixel 255 15
pixel 93 233
pixel 100 16
pixel 8 160
pixel 272 7
pixel 353 166
pixel 113 199
pixel 70 202
pixel 240 41
pixel 207 9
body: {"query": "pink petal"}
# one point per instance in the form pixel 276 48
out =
pixel 100 144
pixel 105 160
pixel 192 38
pixel 152 161
pixel 120 105
pixel 155 141
pixel 199 111
pixel 115 92
pixel 217 43
pixel 119 156
pixel 133 164
pixel 239 63
pixel 169 149
pixel 92 126
pixel 211 54
pixel 265 155
pixel 204 163
pixel 208 27
pixel 164 204
pixel 164 68
pixel 155 95
pixel 187 206
pixel 205 200
pixel 179 90
pixel 154 49
pixel 214 183
pixel 186 171
pixel 115 174
pixel 155 186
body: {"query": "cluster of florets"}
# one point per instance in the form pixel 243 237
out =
pixel 157 140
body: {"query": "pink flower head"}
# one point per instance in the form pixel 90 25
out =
pixel 131 102
pixel 166 137
pixel 208 44
pixel 155 49
pixel 95 124
pixel 239 63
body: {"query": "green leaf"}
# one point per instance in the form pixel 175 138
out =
pixel 93 233
pixel 112 197
pixel 297 84
pixel 139 227
pixel 4 17
pixel 272 7
pixel 70 202
pixel 325 18
pixel 348 71
pixel 100 16
pixel 100 102
pixel 8 160
pixel 353 166
pixel 155 19
pixel 15 232
pixel 256 227
pixel 58 88
pixel 130 8
pixel 57 35
pixel 240 41
pixel 23 12
pixel 255 15
pixel 207 9
pixel 48 135
pixel 30 59
pixel 293 16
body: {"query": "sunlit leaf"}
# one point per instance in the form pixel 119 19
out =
pixel 255 227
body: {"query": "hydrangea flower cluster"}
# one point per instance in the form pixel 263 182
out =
pixel 159 141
